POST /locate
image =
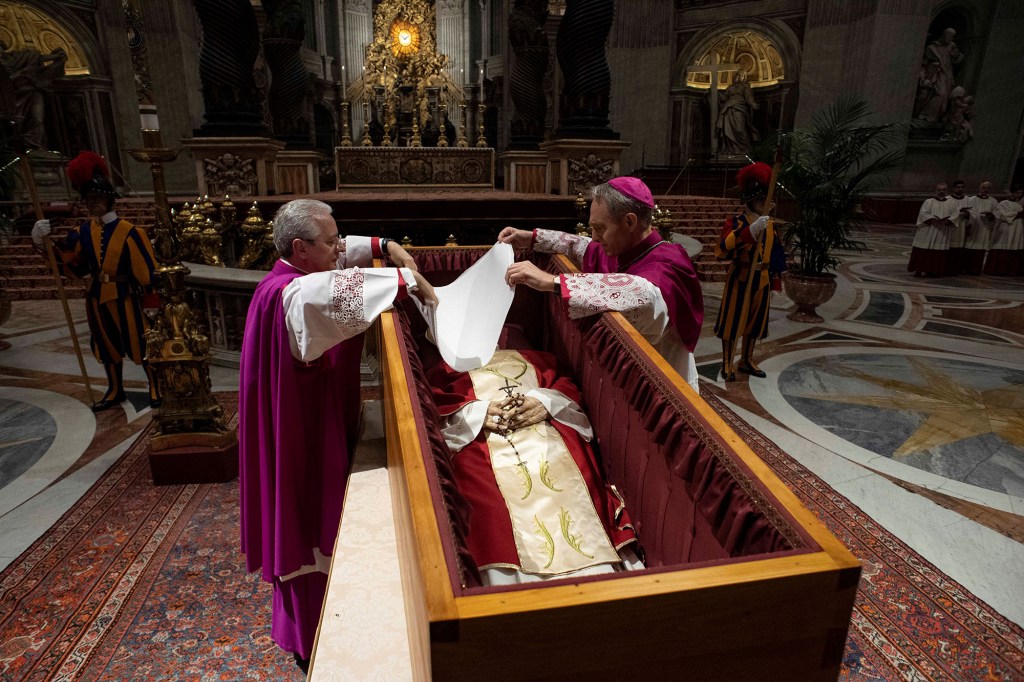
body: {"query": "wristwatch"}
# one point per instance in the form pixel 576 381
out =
pixel 384 245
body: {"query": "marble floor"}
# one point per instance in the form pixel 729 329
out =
pixel 908 400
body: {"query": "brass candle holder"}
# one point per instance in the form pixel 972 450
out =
pixel 367 140
pixel 462 127
pixel 481 138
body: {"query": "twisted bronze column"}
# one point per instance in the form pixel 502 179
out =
pixel 530 61
pixel 231 43
pixel 580 45
pixel 282 48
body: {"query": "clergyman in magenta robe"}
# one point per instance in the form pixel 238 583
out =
pixel 299 404
pixel 626 267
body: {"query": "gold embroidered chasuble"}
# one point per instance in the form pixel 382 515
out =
pixel 554 523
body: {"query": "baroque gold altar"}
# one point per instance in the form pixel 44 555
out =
pixel 413 114
pixel 391 167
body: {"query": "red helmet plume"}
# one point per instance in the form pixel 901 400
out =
pixel 753 180
pixel 85 167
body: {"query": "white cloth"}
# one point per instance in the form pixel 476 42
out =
pixel 322 309
pixel 470 312
pixel 40 230
pixel 639 301
pixel 463 426
pixel 936 237
pixel 509 576
pixel 1009 232
pixel 959 232
pixel 979 232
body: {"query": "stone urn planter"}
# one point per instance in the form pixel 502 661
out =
pixel 807 292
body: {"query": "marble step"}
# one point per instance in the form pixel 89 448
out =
pixel 42 293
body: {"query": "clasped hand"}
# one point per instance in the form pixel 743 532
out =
pixel 513 413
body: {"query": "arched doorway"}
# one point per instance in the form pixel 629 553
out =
pixel 764 56
pixel 76 109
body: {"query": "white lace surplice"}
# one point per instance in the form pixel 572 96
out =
pixel 636 298
pixel 979 233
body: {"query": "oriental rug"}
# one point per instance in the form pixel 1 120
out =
pixel 138 582
pixel 910 620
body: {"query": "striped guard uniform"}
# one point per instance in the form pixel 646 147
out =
pixel 119 257
pixel 737 243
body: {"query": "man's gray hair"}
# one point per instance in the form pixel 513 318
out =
pixel 619 204
pixel 294 221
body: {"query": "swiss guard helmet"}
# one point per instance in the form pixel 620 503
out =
pixel 89 174
pixel 753 181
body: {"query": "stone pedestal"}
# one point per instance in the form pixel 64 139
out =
pixel 183 458
pixel 575 166
pixel 297 171
pixel 235 166
pixel 48 175
pixel 526 172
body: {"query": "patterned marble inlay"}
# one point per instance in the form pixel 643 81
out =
pixel 884 307
pixel 957 419
pixel 26 432
pixel 964 332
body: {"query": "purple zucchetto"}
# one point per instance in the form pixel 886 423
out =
pixel 634 188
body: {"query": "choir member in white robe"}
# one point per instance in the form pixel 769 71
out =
pixel 935 224
pixel 1006 254
pixel 955 262
pixel 983 208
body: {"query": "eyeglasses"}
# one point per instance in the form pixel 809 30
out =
pixel 332 242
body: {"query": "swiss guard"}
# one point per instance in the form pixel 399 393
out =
pixel 758 261
pixel 119 259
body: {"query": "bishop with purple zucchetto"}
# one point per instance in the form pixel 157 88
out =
pixel 625 267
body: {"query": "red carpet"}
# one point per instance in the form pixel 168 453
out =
pixel 145 583
pixel 910 620
pixel 139 582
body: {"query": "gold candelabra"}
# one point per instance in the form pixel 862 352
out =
pixel 662 221
pixel 581 208
pixel 462 127
pixel 442 140
pixel 367 140
pixel 481 138
pixel 389 112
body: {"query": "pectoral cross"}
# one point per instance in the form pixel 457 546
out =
pixel 715 68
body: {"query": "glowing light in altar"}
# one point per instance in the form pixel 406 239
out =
pixel 405 38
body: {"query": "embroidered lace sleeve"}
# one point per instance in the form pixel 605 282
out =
pixel 325 308
pixel 635 297
pixel 553 241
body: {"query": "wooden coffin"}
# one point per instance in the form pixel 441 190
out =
pixel 742 582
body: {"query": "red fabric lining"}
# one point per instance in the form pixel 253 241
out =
pixel 678 478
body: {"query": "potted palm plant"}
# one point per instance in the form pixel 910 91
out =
pixel 830 167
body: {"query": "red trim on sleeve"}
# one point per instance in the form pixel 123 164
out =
pixel 375 247
pixel 746 236
pixel 403 288
pixel 533 237
pixel 565 295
